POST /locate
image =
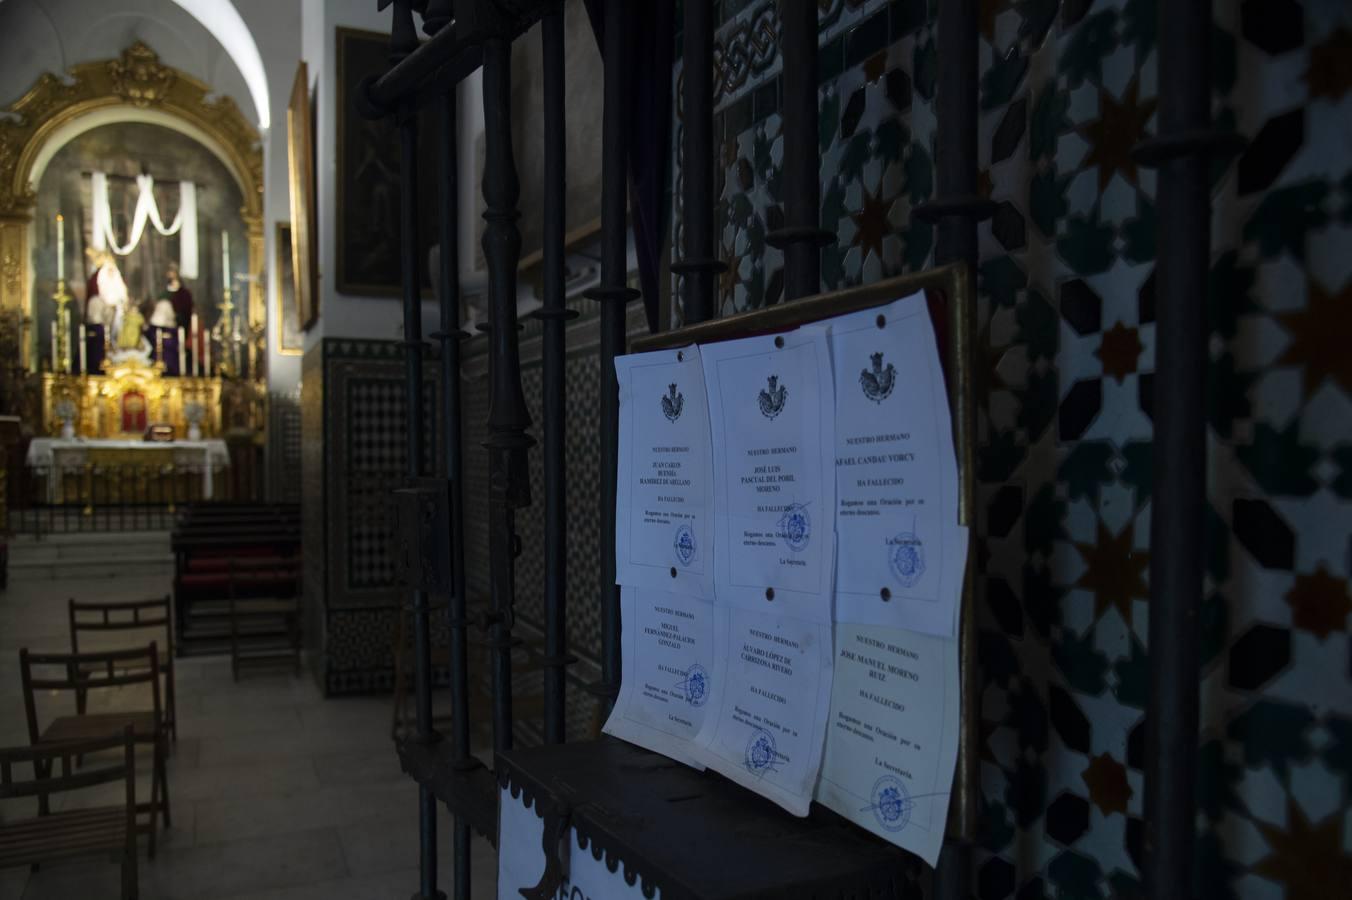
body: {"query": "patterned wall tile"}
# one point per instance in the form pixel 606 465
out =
pixel 1067 322
pixel 876 69
pixel 354 422
pixel 583 491
pixel 284 447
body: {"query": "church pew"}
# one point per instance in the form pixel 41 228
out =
pixel 222 550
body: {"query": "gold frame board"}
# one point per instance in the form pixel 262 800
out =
pixel 301 177
pixel 949 289
pixel 284 257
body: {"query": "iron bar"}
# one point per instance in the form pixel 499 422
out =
pixel 699 264
pixel 422 645
pixel 552 379
pixel 508 441
pixel 442 59
pixel 1176 522
pixel 403 39
pixel 449 337
pixel 801 238
pixel 956 207
pixel 613 294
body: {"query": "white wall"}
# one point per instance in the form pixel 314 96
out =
pixel 276 28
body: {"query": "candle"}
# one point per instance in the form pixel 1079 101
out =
pixel 182 353
pixel 70 336
pixel 206 355
pixel 159 344
pixel 84 369
pixel 60 247
pixel 196 339
pixel 53 346
pixel 225 258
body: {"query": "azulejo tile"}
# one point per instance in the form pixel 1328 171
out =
pixel 1067 327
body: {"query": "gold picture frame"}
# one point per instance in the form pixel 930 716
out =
pixel 290 340
pixel 952 306
pixel 301 178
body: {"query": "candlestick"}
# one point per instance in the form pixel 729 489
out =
pixel 182 354
pixel 225 259
pixel 84 367
pixel 60 246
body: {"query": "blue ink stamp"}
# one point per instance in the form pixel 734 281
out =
pixel 795 527
pixel 695 687
pixel 760 752
pixel 906 553
pixel 891 803
pixel 684 544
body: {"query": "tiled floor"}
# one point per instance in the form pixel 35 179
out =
pixel 276 793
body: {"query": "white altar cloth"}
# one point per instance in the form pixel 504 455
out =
pixel 62 454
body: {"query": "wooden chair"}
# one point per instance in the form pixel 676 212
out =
pixel 272 623
pixel 129 616
pixel 79 832
pixel 77 672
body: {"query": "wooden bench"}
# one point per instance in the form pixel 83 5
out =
pixel 79 832
pixel 231 551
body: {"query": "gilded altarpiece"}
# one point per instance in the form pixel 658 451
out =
pixel 140 84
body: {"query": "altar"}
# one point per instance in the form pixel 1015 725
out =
pixel 79 458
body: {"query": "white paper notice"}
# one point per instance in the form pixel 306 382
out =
pixel 664 483
pixel 901 554
pixel 892 737
pixel 770 413
pixel 667 653
pixel 774 678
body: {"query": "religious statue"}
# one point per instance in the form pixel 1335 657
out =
pixel 107 292
pixel 179 297
pixel 129 333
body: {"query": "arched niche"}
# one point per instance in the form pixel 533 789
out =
pixel 134 87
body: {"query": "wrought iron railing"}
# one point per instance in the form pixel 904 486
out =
pixel 60 499
pixel 420 87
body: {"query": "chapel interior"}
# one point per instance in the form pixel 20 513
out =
pixel 323 455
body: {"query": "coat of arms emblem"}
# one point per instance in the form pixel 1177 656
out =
pixel 878 383
pixel 772 397
pixel 672 403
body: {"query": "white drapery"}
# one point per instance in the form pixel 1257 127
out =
pixel 184 224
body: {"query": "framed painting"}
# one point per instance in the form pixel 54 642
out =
pixel 368 234
pixel 583 78
pixel 290 341
pixel 302 239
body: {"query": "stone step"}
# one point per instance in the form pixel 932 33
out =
pixel 95 545
pixel 91 555
pixel 106 567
